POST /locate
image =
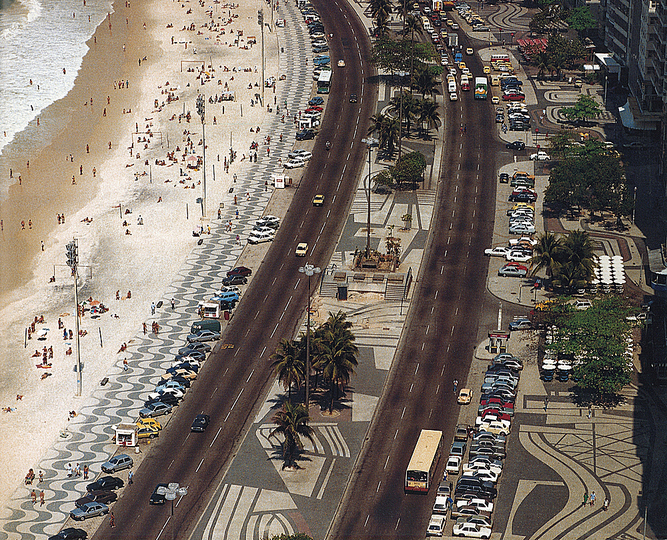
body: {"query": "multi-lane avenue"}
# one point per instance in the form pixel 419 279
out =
pixel 233 380
pixel 440 336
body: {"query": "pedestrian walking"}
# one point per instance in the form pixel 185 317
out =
pixel 605 504
pixel 590 412
pixel 112 520
pixel 152 308
pixel 173 304
pixel 144 326
pixel 125 364
pixel 69 470
pixel 41 498
pixel 85 472
pixel 33 496
pixel 41 477
pixel 546 403
pixel 592 498
pixel 455 383
pixel 77 470
pixel 130 477
pixel 585 498
pixel 450 502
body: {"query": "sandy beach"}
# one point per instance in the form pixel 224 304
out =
pixel 119 157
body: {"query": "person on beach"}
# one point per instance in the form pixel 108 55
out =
pixel 41 497
pixel 85 472
pixel 33 496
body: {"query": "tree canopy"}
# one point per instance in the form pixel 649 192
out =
pixel 581 19
pixel 409 170
pixel 595 339
pixel 585 108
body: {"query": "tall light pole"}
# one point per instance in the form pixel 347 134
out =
pixel 72 251
pixel 201 110
pixel 170 493
pixel 370 143
pixel 260 21
pixel 310 271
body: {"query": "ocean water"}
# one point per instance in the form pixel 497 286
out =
pixel 38 39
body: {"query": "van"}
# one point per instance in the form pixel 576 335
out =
pixel 451 87
pixel 210 324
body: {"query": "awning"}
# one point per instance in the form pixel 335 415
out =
pixel 608 61
pixel 633 119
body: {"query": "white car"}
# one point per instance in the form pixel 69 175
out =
pixel 473 467
pixel 480 504
pixel 487 476
pixel 440 506
pixel 173 391
pixel 453 465
pixel 498 251
pixel 523 239
pixel 341 63
pixel 497 427
pixel 303 154
pixel 293 164
pixel 453 96
pixel 540 156
pixel 257 229
pixel 518 256
pixel 260 237
pixel 471 530
pixel 436 526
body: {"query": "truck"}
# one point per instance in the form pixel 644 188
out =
pixel 481 87
pixel 458 58
pixel 453 39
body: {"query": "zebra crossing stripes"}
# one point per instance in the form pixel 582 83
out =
pixel 335 439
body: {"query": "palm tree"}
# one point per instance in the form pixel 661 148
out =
pixel 428 113
pixel 580 253
pixel 387 131
pixel 292 424
pixel 381 7
pixel 425 82
pixel 569 277
pixel 288 365
pixel 548 254
pixel 336 353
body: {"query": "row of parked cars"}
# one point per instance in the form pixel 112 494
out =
pixel 477 23
pixel 472 502
pixel 265 228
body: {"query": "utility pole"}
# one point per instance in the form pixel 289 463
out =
pixel 72 251
pixel 309 270
pixel 370 142
pixel 201 110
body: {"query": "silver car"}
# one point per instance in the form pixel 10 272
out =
pixel 88 510
pixel 155 409
pixel 118 463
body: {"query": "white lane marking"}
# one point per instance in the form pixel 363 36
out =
pixel 411 386
pixel 256 314
pixel 253 371
pixel 454 198
pixel 403 413
pixel 367 516
pixel 386 462
pixel 328 213
pixel 417 368
pixel 215 438
pixel 288 303
pixel 320 493
pixel 323 225
pixel 263 351
pixel 447 348
pixel 397 523
pixel 435 297
pixel 378 488
pixel 432 309
pixel 200 464
pixel 273 282
pixel 274 330
pixel 237 398
pixel 302 222
pixel 338 186
pixel 437 390
pixel 452 332
pixel 296 284
pixel 395 434
pixel 423 345
pixel 214 391
pixel 456 312
pixel 442 372
pixel 427 327
pixel 442 268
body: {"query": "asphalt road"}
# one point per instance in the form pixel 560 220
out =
pixel 233 380
pixel 441 333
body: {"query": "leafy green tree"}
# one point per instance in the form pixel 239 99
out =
pixel 292 424
pixel 560 143
pixel 581 19
pixel 384 178
pixel 409 169
pixel 288 365
pixel 595 338
pixel 585 108
pixel 336 353
pixel 547 254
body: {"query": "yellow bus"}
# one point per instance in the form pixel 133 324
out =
pixel 423 462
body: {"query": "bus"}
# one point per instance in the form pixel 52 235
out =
pixel 502 57
pixel 423 461
pixel 324 81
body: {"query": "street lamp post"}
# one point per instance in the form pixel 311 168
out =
pixel 370 143
pixel 72 251
pixel 201 110
pixel 170 493
pixel 309 270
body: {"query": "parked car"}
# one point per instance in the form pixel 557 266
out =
pixel 240 271
pixel 234 280
pixel 200 347
pixel 104 497
pixel 498 251
pixel 204 335
pixel 305 134
pixel 260 237
pixel 521 324
pixel 515 145
pixel 70 533
pixel 88 510
pixel 540 156
pixel 104 483
pixel 117 463
pixel 473 467
pixel 147 432
pixel 200 423
pixel 458 449
pixel 513 271
pixel 440 505
pixel 462 432
pixel 471 530
pixel 453 465
pixel 522 228
pixel 518 256
pixel 436 526
pixel 465 396
pixel 155 409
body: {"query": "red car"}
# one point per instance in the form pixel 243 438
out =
pixel 314 109
pixel 239 271
pixel 496 401
pixel 495 412
pixel 513 97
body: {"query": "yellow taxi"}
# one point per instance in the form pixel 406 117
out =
pixel 149 422
pixel 469 51
pixel 487 70
pixel 495 100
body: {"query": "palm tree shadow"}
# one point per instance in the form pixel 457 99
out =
pixel 300 456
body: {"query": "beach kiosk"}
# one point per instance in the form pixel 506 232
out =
pixel 126 434
pixel 498 341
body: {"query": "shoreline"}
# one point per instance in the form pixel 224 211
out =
pixel 144 261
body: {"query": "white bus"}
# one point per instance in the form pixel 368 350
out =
pixel 324 81
pixel 423 462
